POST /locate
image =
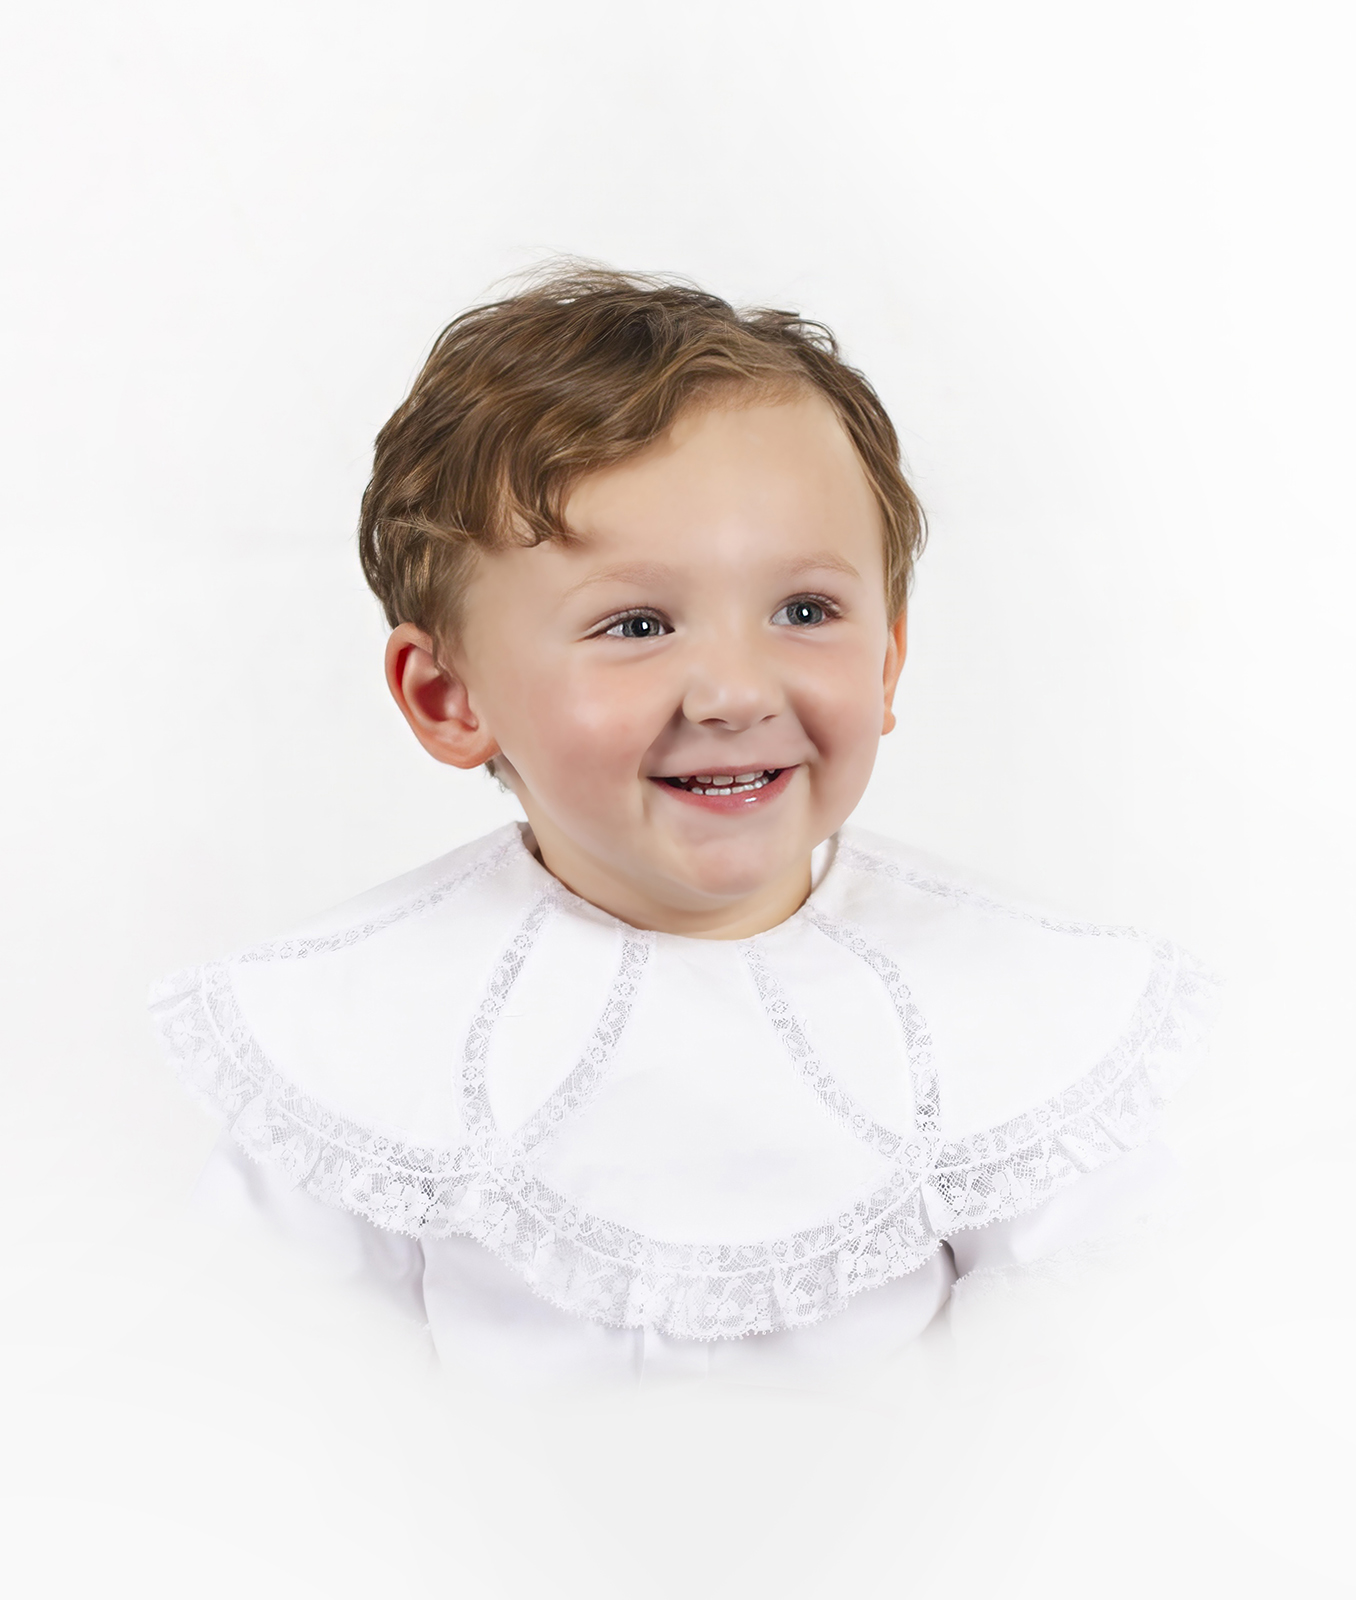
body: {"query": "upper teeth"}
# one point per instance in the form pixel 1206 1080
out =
pixel 726 783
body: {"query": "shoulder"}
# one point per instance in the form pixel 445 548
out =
pixel 1054 1041
pixel 346 1011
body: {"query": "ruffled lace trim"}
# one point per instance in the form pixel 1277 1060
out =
pixel 607 1273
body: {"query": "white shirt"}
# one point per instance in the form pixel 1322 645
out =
pixel 585 1149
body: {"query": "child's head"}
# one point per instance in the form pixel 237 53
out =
pixel 627 536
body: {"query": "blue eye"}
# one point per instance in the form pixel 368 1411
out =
pixel 639 626
pixel 801 614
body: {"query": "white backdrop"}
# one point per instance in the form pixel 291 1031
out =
pixel 1098 261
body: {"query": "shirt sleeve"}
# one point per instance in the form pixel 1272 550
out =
pixel 1101 1203
pixel 235 1191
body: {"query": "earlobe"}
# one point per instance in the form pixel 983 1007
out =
pixel 895 651
pixel 435 700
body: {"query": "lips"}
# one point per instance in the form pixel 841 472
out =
pixel 725 784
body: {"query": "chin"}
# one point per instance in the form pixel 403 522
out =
pixel 731 870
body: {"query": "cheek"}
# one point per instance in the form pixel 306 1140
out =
pixel 842 708
pixel 586 722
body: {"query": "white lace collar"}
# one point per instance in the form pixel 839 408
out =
pixel 708 1138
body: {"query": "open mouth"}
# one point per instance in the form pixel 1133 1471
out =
pixel 728 783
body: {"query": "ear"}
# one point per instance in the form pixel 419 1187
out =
pixel 435 700
pixel 895 650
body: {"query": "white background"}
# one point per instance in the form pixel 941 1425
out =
pixel 1098 260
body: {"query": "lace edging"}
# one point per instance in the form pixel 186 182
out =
pixel 607 1273
pixel 1010 1169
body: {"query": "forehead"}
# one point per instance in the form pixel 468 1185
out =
pixel 748 499
pixel 729 477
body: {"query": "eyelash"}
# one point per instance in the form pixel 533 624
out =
pixel 826 605
pixel 622 617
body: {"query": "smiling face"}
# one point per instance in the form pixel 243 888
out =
pixel 688 697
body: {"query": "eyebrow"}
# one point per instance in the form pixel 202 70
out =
pixel 825 560
pixel 640 573
pixel 644 573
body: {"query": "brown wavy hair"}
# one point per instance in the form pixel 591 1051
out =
pixel 583 368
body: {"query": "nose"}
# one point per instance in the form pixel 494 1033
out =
pixel 731 684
